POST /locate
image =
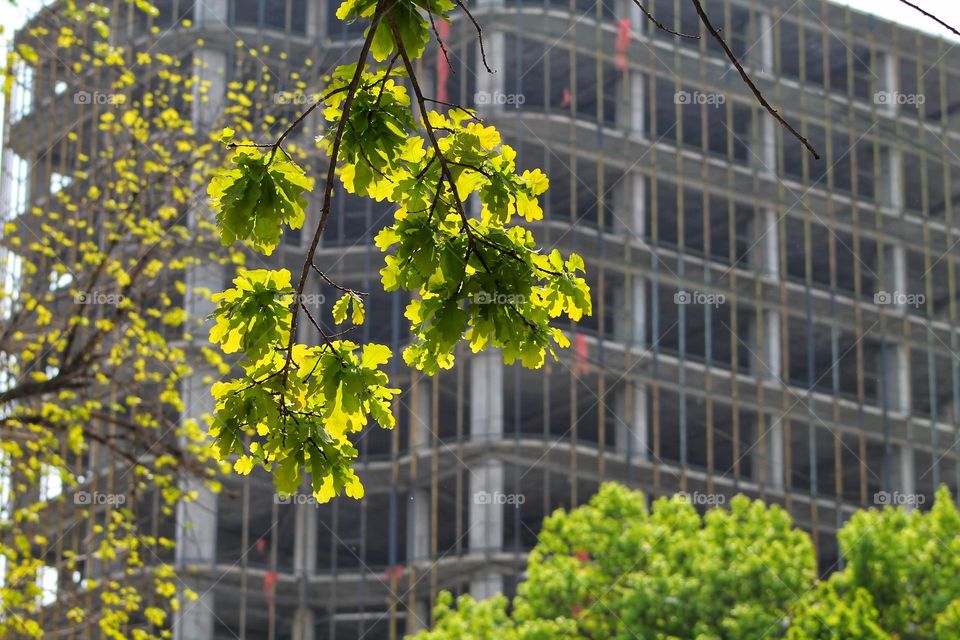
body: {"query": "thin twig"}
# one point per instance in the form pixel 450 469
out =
pixel 476 25
pixel 660 25
pixel 335 285
pixel 310 109
pixel 746 78
pixel 443 47
pixel 931 16
pixel 432 135
pixel 473 114
pixel 331 175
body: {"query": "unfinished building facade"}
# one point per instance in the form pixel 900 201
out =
pixel 764 323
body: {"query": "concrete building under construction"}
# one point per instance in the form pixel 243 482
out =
pixel 764 323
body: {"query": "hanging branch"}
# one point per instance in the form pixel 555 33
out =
pixel 932 17
pixel 331 176
pixel 746 78
pixel 661 26
pixel 476 25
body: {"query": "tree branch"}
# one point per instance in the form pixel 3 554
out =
pixel 746 78
pixel 331 176
pixel 931 16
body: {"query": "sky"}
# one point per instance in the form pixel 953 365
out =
pixel 896 11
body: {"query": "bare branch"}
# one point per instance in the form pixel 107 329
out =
pixel 436 33
pixel 331 174
pixel 335 285
pixel 746 78
pixel 931 16
pixel 476 25
pixel 661 26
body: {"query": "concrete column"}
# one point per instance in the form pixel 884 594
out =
pixel 765 344
pixel 420 404
pixel 764 156
pixel 490 85
pixel 316 19
pixel 419 618
pixel 486 395
pixel 486 480
pixel 638 21
pixel 630 319
pixel 210 92
pixel 904 474
pixel 639 312
pixel 895 371
pixel 213 13
pixel 638 100
pixel 303 624
pixel 305 542
pixel 767 247
pixel 196 521
pixel 891 178
pixel 766 60
pixel 196 528
pixel 638 206
pixel 893 363
pixel 631 407
pixel 894 277
pixel 418 508
pixel 888 80
pixel 771 471
pixel 418 526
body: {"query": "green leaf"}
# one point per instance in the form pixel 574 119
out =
pixel 254 200
pixel 340 308
pixel 358 311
